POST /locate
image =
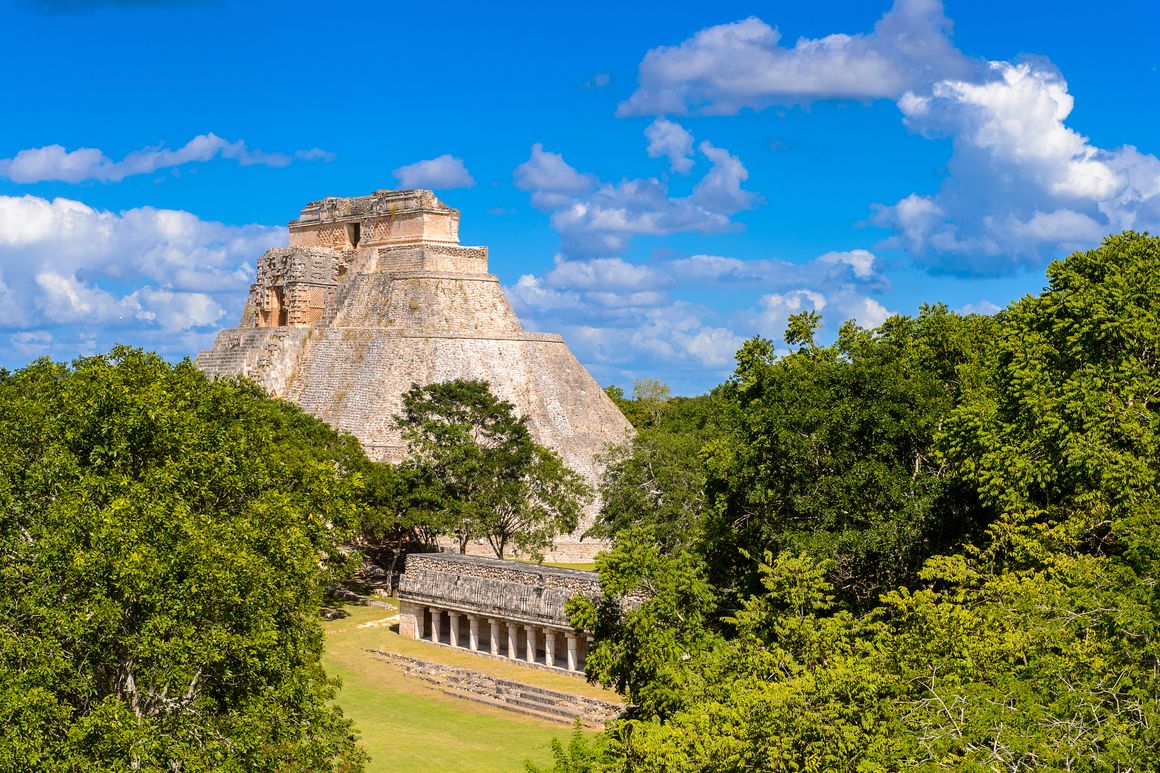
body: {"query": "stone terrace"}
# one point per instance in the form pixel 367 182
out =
pixel 521 604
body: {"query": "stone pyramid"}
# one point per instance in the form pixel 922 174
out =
pixel 375 293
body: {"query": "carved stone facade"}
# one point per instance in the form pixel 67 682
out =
pixel 375 293
pixel 504 609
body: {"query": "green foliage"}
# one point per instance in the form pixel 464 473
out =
pixel 958 518
pixel 166 542
pixel 475 471
pixel 657 482
pixel 1065 444
pixel 801 327
pixel 579 756
pixel 641 650
pixel 833 453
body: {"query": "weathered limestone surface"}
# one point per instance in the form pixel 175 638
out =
pixel 375 293
pixel 527 593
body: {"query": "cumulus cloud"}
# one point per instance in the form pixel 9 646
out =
pixel 441 173
pixel 673 141
pixel 1022 185
pixel 861 261
pixel 837 305
pixel 76 276
pixel 552 182
pixel 616 313
pixel 728 67
pixel 602 274
pixel 57 163
pixel 599 218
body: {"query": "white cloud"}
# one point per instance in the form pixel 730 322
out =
pixel 861 261
pixel 617 314
pixel 31 343
pixel 726 68
pixel 982 307
pixel 530 292
pixel 1022 185
pixel 832 269
pixel 551 180
pixel 55 162
pixel 673 141
pixel 441 173
pixel 78 279
pixel 720 189
pixel 602 274
pixel 836 306
pixel 65 299
pixel 175 311
pixel 595 218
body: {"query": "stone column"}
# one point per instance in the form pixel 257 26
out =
pixel 411 619
pixel 588 642
pixel 571 650
pixel 530 650
pixel 549 647
pixel 436 620
pixel 513 641
pixel 454 628
pixel 472 633
pixel 494 635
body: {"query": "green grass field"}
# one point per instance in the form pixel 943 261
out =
pixel 407 725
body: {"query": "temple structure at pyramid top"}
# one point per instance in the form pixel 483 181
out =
pixel 375 293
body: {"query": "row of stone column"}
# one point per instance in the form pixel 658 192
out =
pixel 575 645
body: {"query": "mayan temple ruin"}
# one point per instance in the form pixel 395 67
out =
pixel 375 293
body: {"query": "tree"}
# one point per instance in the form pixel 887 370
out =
pixel 657 482
pixel 651 395
pixel 833 453
pixel 165 546
pixel 483 475
pixel 800 328
pixel 1030 643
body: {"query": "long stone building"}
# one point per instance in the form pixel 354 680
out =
pixel 375 293
pixel 501 608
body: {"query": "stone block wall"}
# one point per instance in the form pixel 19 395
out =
pixel 410 619
pixel 512 590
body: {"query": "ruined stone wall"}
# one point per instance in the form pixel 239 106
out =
pixel 427 301
pixel 333 237
pixel 426 257
pixel 355 379
pixel 489 586
pixel 269 356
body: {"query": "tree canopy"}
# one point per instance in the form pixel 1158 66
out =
pixel 475 472
pixel 165 545
pixel 931 546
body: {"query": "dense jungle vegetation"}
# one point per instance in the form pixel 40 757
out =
pixel 930 546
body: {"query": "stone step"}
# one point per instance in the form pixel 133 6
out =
pixel 508 694
pixel 531 699
pixel 557 715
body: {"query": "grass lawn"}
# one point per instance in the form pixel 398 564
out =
pixel 407 725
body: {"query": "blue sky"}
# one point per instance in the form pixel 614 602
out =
pixel 657 181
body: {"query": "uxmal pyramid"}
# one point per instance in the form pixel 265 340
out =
pixel 375 293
